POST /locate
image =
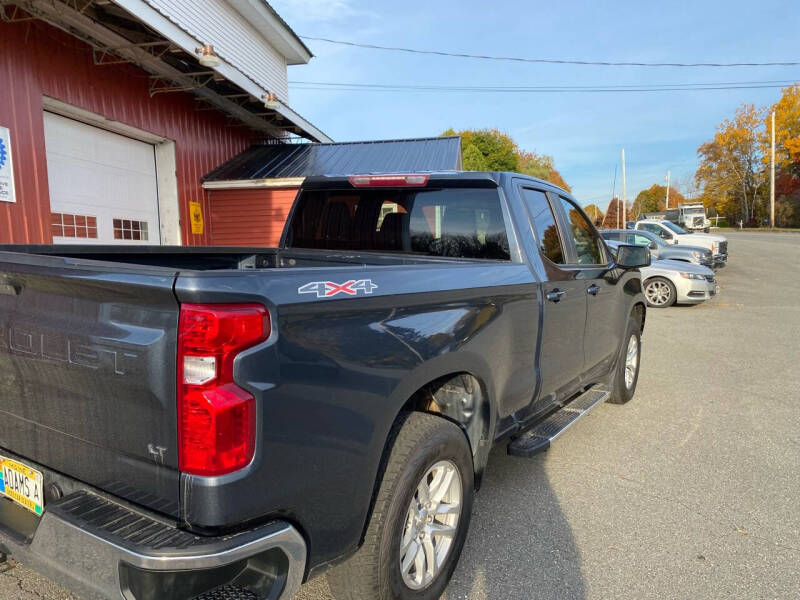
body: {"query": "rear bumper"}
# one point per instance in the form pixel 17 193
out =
pixel 102 549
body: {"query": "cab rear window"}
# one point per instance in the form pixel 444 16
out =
pixel 457 222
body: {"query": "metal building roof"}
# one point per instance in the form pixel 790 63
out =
pixel 278 161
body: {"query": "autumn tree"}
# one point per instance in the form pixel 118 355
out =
pixel 493 150
pixel 653 199
pixel 730 172
pixel 613 216
pixel 540 166
pixel 595 214
pixel 787 155
pixel 787 131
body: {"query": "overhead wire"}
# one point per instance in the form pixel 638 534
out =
pixel 554 61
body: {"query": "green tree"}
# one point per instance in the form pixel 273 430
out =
pixel 493 150
pixel 498 149
pixel 473 159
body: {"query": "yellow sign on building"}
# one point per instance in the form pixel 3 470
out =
pixel 196 215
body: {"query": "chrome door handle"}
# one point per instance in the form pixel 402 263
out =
pixel 555 295
pixel 593 289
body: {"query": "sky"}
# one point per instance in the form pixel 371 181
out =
pixel 583 132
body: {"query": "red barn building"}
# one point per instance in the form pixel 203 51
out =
pixel 111 112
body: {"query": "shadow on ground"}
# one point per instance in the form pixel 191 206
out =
pixel 519 547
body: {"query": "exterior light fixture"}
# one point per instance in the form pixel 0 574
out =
pixel 271 101
pixel 208 58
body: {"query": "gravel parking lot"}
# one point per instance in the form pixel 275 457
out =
pixel 689 491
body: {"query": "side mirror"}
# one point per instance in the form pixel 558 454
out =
pixel 653 246
pixel 632 257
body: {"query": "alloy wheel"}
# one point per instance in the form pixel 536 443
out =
pixel 431 525
pixel 631 361
pixel 658 293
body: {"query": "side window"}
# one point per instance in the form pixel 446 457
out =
pixel 641 240
pixel 653 228
pixel 587 242
pixel 544 224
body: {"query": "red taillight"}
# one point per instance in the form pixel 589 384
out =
pixel 396 180
pixel 216 418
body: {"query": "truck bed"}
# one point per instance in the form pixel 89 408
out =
pixel 213 258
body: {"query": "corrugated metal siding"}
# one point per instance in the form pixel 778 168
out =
pixel 38 60
pixel 304 160
pixel 234 39
pixel 250 217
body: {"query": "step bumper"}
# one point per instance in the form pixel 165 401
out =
pixel 101 549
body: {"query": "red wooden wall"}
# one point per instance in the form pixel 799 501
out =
pixel 249 217
pixel 38 60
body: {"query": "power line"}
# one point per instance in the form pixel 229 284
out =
pixel 540 87
pixel 600 63
pixel 678 87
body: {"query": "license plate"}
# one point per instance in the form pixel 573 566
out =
pixel 22 484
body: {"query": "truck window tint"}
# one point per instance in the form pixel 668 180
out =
pixel 587 242
pixel 652 228
pixel 455 222
pixel 544 224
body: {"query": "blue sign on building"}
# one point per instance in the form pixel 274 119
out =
pixel 6 168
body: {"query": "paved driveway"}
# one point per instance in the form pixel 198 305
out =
pixel 692 490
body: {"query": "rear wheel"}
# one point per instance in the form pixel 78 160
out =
pixel 420 519
pixel 627 372
pixel 659 292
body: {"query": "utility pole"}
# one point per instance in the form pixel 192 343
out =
pixel 772 177
pixel 624 226
pixel 667 208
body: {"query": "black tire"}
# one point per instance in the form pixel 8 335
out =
pixel 620 392
pixel 373 573
pixel 660 281
pixel 707 229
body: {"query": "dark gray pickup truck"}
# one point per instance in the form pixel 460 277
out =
pixel 211 422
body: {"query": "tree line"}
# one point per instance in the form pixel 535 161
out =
pixel 734 171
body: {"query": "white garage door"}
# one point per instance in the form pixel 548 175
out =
pixel 102 185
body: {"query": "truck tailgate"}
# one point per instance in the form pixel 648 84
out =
pixel 87 373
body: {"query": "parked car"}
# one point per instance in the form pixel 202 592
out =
pixel 180 419
pixel 659 249
pixel 668 282
pixel 672 234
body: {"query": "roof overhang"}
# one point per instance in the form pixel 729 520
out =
pixel 264 18
pixel 167 52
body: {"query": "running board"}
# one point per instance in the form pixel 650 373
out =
pixel 539 438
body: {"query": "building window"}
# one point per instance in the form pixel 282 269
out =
pixel 126 229
pixel 74 226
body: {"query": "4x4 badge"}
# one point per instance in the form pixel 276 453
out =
pixel 326 289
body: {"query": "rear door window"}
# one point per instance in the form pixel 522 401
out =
pixel 454 222
pixel 544 224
